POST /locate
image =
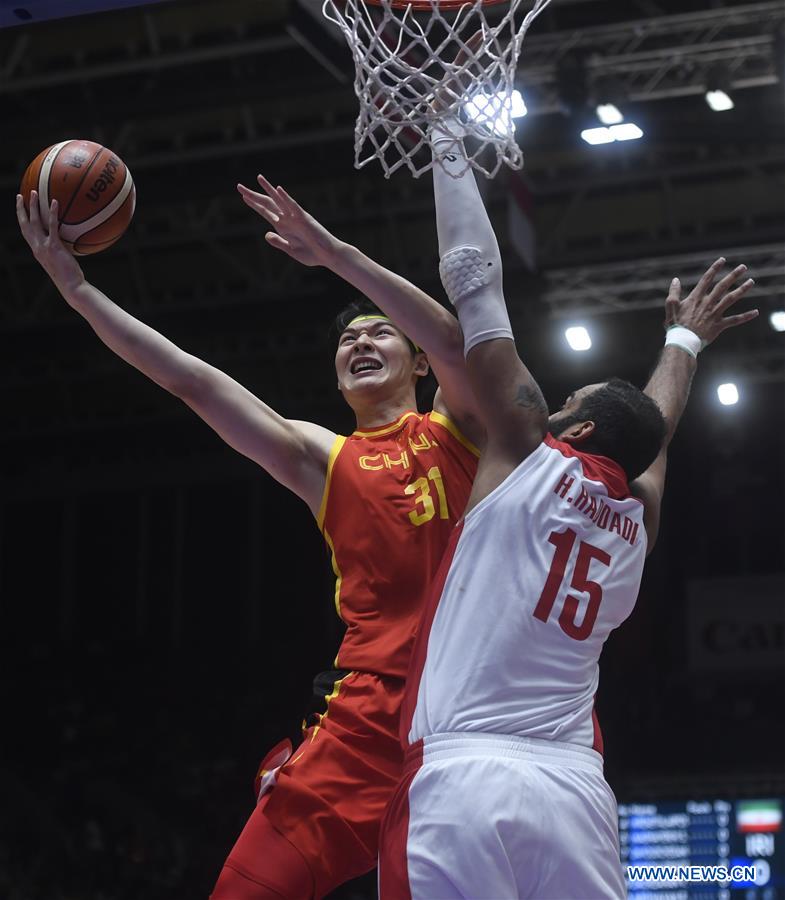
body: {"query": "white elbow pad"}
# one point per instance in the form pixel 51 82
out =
pixel 464 271
pixel 473 282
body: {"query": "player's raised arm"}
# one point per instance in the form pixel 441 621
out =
pixel 693 323
pixel 294 453
pixel 511 404
pixel 422 319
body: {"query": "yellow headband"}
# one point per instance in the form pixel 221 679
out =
pixel 365 319
pixel 384 319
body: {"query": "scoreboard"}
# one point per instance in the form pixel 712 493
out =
pixel 707 849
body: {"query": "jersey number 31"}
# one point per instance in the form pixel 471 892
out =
pixel 564 542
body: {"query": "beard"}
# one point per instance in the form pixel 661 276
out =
pixel 558 424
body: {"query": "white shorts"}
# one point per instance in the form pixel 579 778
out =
pixel 491 817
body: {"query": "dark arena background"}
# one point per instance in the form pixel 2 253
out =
pixel 165 604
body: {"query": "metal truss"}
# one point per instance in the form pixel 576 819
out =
pixel 136 62
pixel 150 40
pixel 657 57
pixel 613 288
pixel 213 259
pixel 219 276
pixel 638 284
pixel 653 58
pixel 660 57
pixel 652 200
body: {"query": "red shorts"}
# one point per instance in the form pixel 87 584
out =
pixel 329 797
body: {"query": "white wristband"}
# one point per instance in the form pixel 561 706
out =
pixel 679 336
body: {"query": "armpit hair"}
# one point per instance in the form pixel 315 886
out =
pixel 529 396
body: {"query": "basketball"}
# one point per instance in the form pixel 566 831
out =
pixel 93 188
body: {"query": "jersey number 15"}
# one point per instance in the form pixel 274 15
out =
pixel 564 542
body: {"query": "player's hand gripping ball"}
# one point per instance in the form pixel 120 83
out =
pixel 93 188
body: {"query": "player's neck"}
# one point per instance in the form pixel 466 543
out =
pixel 374 414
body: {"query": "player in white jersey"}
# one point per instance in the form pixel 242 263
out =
pixel 504 794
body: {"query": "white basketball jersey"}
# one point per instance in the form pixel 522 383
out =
pixel 540 572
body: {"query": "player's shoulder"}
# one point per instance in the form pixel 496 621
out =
pixel 441 424
pixel 320 442
pixel 468 424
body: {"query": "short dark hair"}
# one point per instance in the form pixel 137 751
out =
pixel 362 306
pixel 628 426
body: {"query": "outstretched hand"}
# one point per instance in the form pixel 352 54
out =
pixel 457 80
pixel 703 309
pixel 296 231
pixel 46 244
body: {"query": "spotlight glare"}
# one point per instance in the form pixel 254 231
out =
pixel 629 131
pixel 777 320
pixel 609 114
pixel 518 110
pixel 719 101
pixel 496 112
pixel 578 338
pixel 597 136
pixel 728 394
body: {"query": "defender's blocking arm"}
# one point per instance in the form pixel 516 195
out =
pixel 693 323
pixel 424 321
pixel 294 453
pixel 511 403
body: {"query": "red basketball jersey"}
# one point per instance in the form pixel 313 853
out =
pixel 392 498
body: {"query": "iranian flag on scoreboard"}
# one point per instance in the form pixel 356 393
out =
pixel 758 815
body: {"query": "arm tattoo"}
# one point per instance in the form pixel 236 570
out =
pixel 529 396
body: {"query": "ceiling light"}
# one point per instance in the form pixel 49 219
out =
pixel 629 131
pixel 718 88
pixel 777 320
pixel 496 111
pixel 518 110
pixel 578 338
pixel 728 394
pixel 719 101
pixel 609 114
pixel 597 136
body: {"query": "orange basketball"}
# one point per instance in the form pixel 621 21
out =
pixel 93 188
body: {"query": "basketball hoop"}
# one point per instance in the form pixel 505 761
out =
pixel 406 52
pixel 420 5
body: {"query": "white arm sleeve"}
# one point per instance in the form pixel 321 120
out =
pixel 471 266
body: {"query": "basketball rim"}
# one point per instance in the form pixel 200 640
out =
pixel 426 5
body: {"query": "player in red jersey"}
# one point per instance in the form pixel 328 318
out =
pixel 386 499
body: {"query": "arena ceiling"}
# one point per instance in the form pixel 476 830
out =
pixel 199 95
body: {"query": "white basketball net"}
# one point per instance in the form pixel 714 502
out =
pixel 402 57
